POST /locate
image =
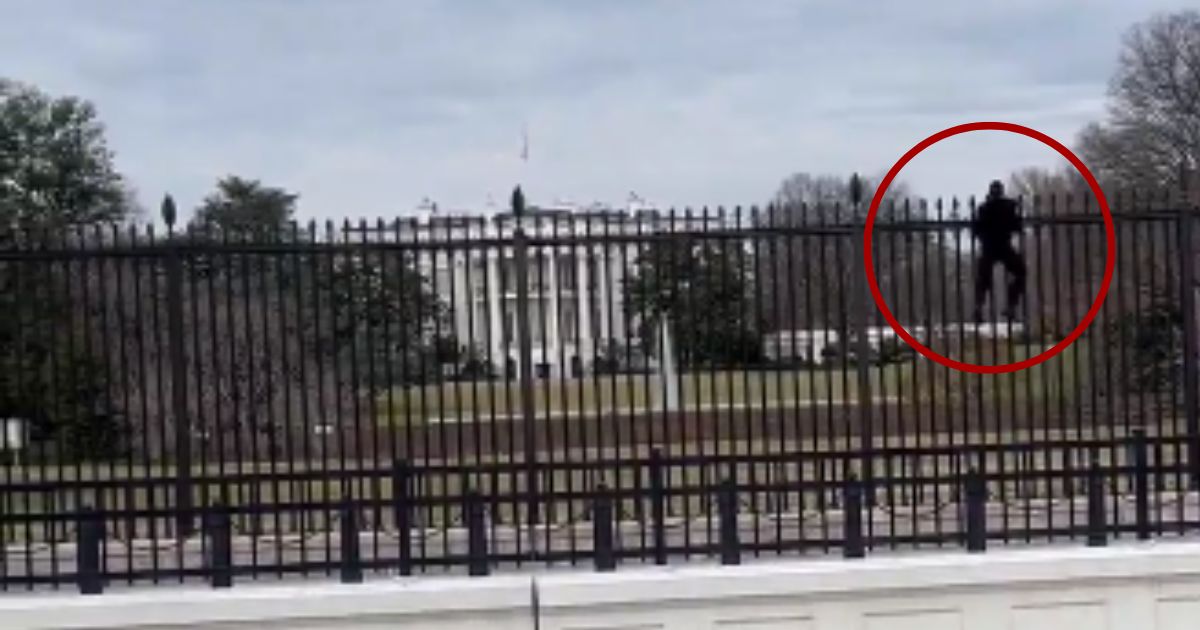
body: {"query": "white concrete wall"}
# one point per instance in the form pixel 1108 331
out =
pixel 500 602
pixel 1143 587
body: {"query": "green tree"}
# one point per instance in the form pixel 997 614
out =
pixel 245 208
pixel 47 376
pixel 704 290
pixel 1154 340
pixel 57 177
pixel 386 315
pixel 55 166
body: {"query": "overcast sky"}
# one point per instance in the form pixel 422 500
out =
pixel 364 108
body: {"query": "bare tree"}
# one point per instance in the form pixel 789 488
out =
pixel 1043 191
pixel 1149 146
pixel 1152 135
pixel 813 273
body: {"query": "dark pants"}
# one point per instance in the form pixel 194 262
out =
pixel 1015 267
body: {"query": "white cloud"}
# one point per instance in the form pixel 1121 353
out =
pixel 365 107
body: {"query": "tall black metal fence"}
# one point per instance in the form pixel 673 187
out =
pixel 463 394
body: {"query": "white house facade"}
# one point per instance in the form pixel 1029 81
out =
pixel 578 261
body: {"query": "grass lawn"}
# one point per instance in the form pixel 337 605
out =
pixel 1061 378
pixel 632 392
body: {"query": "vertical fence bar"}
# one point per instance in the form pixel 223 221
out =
pixel 183 444
pixel 602 530
pixel 658 502
pixel 1097 518
pixel 220 547
pixel 727 504
pixel 1141 484
pixel 976 495
pixel 477 549
pixel 862 353
pixel 52 526
pixel 91 539
pixel 852 527
pixel 525 368
pixel 1191 344
pixel 271 414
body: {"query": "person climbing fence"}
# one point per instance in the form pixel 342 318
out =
pixel 995 222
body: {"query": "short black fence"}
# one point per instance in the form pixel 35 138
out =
pixel 469 395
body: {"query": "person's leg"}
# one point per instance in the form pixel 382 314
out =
pixel 1016 281
pixel 983 283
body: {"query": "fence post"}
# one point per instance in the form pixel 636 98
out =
pixel 1097 518
pixel 477 552
pixel 1191 343
pixel 525 366
pixel 852 530
pixel 602 530
pixel 402 511
pixel 220 535
pixel 727 505
pixel 860 316
pixel 184 505
pixel 658 502
pixel 1141 484
pixel 91 538
pixel 976 494
pixel 351 566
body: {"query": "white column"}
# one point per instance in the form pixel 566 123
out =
pixel 495 307
pixel 605 278
pixel 551 349
pixel 584 344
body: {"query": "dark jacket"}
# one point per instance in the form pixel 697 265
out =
pixel 995 221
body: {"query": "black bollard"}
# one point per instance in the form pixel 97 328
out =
pixel 976 493
pixel 91 537
pixel 220 548
pixel 477 560
pixel 1141 484
pixel 602 531
pixel 658 504
pixel 1097 535
pixel 402 511
pixel 727 505
pixel 852 525
pixel 351 566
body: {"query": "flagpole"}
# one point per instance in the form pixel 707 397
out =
pixel 524 167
